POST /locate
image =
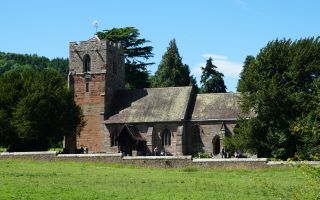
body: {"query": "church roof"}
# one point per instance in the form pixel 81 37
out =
pixel 150 105
pixel 216 106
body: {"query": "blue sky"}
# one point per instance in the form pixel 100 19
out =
pixel 227 30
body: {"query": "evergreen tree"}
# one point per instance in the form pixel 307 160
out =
pixel 36 109
pixel 136 53
pixel 211 79
pixel 281 85
pixel 171 71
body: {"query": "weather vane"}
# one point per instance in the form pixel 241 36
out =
pixel 95 25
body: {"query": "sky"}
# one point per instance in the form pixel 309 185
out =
pixel 226 30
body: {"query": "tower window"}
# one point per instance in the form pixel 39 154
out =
pixel 87 86
pixel 86 63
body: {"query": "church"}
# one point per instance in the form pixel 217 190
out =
pixel 141 122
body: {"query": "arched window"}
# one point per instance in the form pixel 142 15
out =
pixel 166 137
pixel 113 136
pixel 86 63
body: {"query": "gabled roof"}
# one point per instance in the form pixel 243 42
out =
pixel 150 105
pixel 216 106
pixel 133 132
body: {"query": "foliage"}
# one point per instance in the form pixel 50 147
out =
pixel 211 79
pixel 202 155
pixel 2 149
pixel 12 60
pixel 171 71
pixel 136 53
pixel 67 180
pixel 281 85
pixel 36 109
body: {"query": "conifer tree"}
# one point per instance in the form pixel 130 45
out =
pixel 171 71
pixel 136 53
pixel 211 79
pixel 281 86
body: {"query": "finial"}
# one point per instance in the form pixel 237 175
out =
pixel 95 25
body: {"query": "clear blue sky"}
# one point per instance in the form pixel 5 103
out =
pixel 227 30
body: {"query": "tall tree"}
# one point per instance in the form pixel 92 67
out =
pixel 10 61
pixel 171 71
pixel 281 85
pixel 211 79
pixel 36 109
pixel 136 54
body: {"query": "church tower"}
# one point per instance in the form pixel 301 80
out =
pixel 96 71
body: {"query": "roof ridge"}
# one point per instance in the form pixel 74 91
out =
pixel 154 88
pixel 220 93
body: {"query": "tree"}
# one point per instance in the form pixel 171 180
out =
pixel 280 85
pixel 135 52
pixel 211 79
pixel 171 71
pixel 10 61
pixel 36 109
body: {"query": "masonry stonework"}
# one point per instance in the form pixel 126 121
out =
pixel 93 87
pixel 150 121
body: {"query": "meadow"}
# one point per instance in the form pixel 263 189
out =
pixel 71 180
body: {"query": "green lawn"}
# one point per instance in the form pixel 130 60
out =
pixel 67 180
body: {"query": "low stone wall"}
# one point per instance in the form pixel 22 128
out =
pixel 35 155
pixel 153 161
pixel 159 161
pixel 231 163
pixel 101 157
pixel 291 163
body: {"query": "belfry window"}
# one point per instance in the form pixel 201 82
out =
pixel 166 137
pixel 86 63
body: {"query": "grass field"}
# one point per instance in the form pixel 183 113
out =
pixel 67 180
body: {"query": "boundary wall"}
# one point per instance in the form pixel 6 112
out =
pixel 153 161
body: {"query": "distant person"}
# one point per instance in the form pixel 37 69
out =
pixel 81 149
pixel 155 151
pixel 223 153
pixel 236 154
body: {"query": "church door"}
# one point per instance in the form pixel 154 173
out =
pixel 216 145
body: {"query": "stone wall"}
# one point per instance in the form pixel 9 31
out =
pixel 231 163
pixel 146 161
pixel 208 131
pixel 151 132
pixel 92 104
pixel 104 55
pixel 94 89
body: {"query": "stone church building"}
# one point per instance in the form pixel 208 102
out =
pixel 173 120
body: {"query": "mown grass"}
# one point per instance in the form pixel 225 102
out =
pixel 68 180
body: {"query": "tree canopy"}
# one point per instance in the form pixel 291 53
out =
pixel 36 109
pixel 136 54
pixel 211 80
pixel 171 71
pixel 12 60
pixel 281 85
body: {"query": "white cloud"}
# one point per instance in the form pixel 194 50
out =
pixel 224 65
pixel 230 69
pixel 215 56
